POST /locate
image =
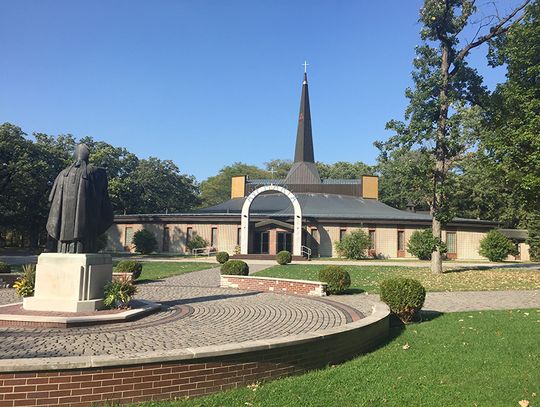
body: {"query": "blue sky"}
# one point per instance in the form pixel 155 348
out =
pixel 208 83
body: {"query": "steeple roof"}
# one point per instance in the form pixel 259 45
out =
pixel 304 137
pixel 304 170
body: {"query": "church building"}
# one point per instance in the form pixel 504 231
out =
pixel 301 213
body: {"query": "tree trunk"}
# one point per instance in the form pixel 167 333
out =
pixel 440 157
pixel 436 258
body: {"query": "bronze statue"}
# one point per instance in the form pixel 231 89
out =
pixel 80 206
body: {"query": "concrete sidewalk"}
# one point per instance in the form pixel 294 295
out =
pixel 458 301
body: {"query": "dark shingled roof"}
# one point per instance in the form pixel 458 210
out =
pixel 326 206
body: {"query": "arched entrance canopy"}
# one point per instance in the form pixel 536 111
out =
pixel 297 234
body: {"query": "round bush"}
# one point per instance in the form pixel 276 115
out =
pixel 284 257
pixel 336 278
pixel 222 257
pixel 4 267
pixel 354 245
pixel 130 266
pixel 496 246
pixel 422 244
pixel 404 296
pixel 144 241
pixel 235 267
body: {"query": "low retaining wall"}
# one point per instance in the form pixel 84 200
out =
pixel 189 372
pixel 277 285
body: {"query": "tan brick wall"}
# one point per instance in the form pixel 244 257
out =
pixel 468 244
pixel 226 235
pixel 468 241
pixel 386 238
pixel 524 250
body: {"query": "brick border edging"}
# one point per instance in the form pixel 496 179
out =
pixel 184 372
pixel 274 284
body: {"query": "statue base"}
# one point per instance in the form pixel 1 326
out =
pixel 70 282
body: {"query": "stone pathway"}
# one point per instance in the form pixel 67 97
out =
pixel 195 312
pixel 481 300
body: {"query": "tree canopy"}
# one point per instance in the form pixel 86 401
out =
pixel 29 165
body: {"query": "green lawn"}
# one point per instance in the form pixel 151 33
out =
pixel 368 278
pixel 459 359
pixel 160 269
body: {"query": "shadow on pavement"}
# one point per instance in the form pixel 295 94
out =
pixel 187 301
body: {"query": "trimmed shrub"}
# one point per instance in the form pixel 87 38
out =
pixel 284 257
pixel 24 286
pixel 354 245
pixel 336 278
pixel 235 267
pixel 222 257
pixel 144 241
pixel 422 243
pixel 4 267
pixel 129 266
pixel 404 296
pixel 496 246
pixel 196 242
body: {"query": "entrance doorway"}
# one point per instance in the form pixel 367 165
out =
pixel 284 241
pixel 261 242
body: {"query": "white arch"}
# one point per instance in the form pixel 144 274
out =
pixel 297 235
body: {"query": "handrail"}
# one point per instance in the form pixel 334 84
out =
pixel 204 250
pixel 306 251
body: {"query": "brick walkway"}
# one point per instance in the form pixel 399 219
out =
pixel 215 316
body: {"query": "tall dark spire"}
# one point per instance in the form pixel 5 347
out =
pixel 304 137
pixel 304 170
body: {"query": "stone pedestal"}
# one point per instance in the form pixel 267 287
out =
pixel 70 282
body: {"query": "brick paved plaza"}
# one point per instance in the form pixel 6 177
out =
pixel 195 312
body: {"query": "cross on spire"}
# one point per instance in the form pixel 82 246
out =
pixel 305 65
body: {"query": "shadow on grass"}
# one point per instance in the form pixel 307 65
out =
pixel 422 316
pixel 426 315
pixel 524 266
pixel 462 269
pixel 350 291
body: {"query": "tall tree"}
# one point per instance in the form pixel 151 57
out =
pixel 344 170
pixel 512 138
pixel 217 189
pixel 161 188
pixel 445 88
pixel 402 176
pixel 27 173
pixel 279 168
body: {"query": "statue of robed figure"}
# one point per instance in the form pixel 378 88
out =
pixel 80 206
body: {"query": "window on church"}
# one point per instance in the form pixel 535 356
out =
pixel 238 236
pixel 189 235
pixel 315 234
pixel 214 237
pixel 451 242
pixel 372 239
pixel 166 239
pixel 342 233
pixel 128 237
